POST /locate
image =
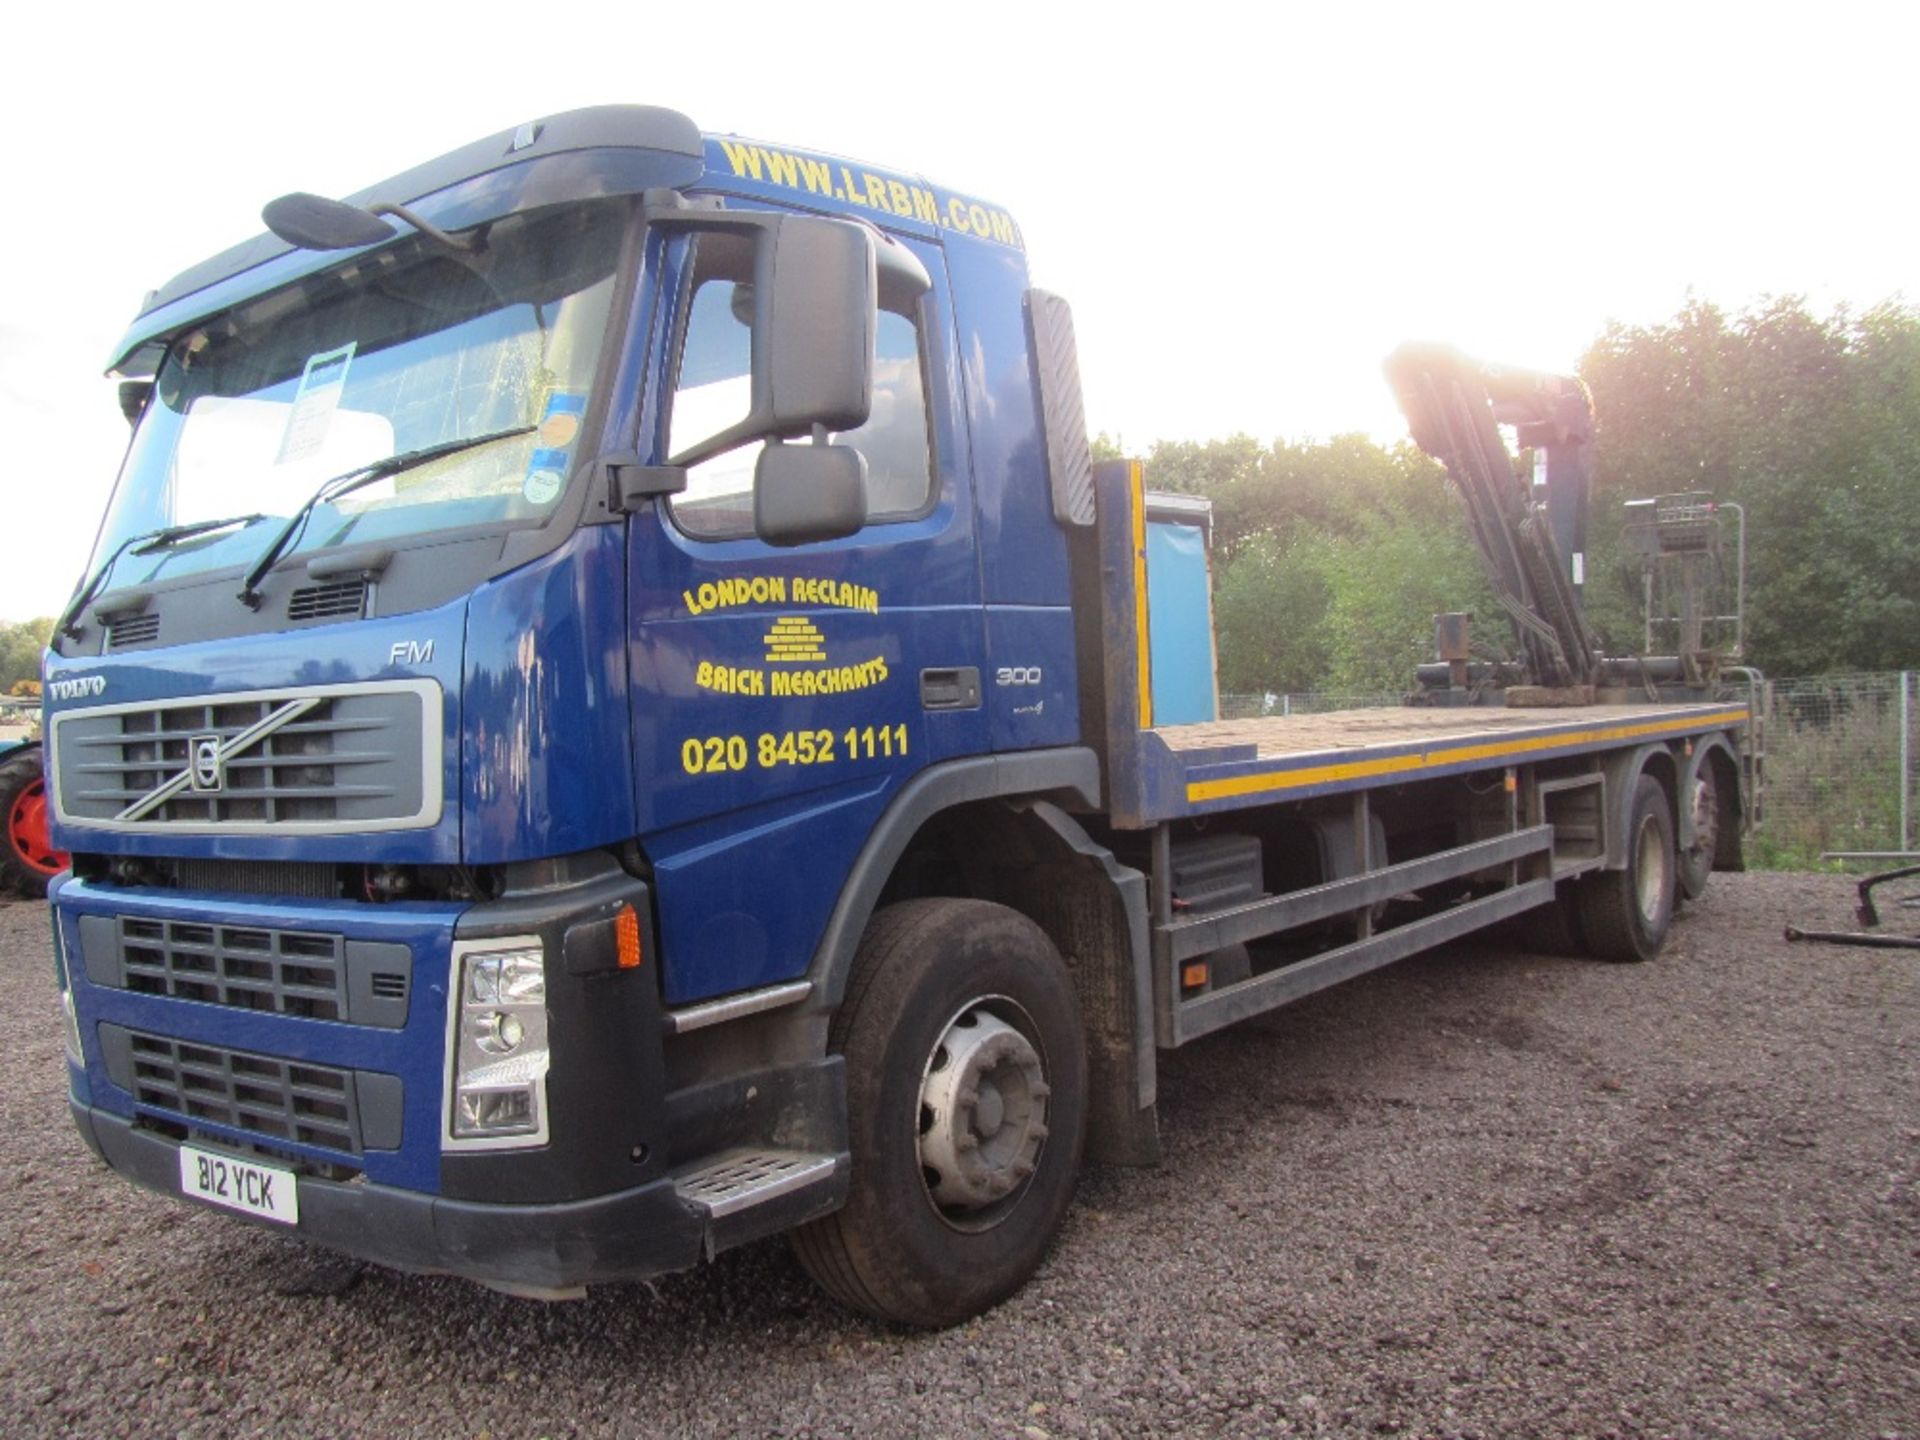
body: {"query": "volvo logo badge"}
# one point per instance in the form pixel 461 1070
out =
pixel 208 770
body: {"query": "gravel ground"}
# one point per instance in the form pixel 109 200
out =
pixel 1485 1193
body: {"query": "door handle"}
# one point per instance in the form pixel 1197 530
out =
pixel 950 689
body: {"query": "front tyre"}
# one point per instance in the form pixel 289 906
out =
pixel 1625 913
pixel 966 1104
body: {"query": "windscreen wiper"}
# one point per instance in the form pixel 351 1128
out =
pixel 352 480
pixel 142 544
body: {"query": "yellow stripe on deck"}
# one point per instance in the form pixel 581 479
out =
pixel 1201 791
pixel 1137 501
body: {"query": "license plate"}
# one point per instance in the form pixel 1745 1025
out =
pixel 240 1185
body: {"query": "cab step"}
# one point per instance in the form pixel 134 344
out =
pixel 745 1193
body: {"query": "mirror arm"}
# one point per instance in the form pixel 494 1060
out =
pixel 629 482
pixel 469 244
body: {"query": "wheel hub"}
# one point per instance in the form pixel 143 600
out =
pixel 27 830
pixel 1706 816
pixel 1650 870
pixel 983 1112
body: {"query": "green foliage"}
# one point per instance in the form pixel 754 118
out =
pixel 20 647
pixel 1811 424
pixel 1330 559
pixel 1270 618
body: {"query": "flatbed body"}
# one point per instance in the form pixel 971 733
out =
pixel 1231 764
pixel 1162 773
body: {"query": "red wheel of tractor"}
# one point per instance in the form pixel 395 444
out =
pixel 27 860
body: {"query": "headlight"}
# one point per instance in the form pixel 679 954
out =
pixel 497 1043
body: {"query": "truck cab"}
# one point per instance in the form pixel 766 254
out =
pixel 503 643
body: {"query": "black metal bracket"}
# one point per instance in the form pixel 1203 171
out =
pixel 628 481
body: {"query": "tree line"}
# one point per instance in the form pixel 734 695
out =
pixel 20 646
pixel 1331 558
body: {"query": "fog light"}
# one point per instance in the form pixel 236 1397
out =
pixel 497 1044
pixel 499 1033
pixel 492 1112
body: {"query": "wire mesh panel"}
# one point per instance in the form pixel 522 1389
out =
pixel 1840 760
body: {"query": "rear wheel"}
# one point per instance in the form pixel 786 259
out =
pixel 966 1105
pixel 27 857
pixel 1696 861
pixel 1624 914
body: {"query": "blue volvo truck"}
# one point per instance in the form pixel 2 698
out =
pixel 612 715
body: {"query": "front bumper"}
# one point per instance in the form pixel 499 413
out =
pixel 627 1235
pixel 604 1198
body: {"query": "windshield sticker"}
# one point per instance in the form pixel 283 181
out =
pixel 321 386
pixel 541 486
pixel 562 420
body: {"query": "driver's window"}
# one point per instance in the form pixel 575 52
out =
pixel 712 390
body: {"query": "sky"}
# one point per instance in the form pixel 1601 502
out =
pixel 1248 206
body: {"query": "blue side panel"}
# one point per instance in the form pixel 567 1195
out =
pixel 547 768
pixel 1031 690
pixel 1180 624
pixel 415 1053
pixel 1023 551
pixel 763 881
pixel 777 703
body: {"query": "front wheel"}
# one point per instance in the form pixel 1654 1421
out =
pixel 1625 913
pixel 27 857
pixel 966 1106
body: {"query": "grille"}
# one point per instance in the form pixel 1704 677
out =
pixel 290 972
pixel 336 600
pixel 342 758
pixel 313 975
pixel 285 1100
pixel 134 630
pixel 302 878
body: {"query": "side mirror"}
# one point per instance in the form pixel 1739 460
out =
pixel 803 493
pixel 819 283
pixel 815 296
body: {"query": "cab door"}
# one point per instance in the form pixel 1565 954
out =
pixel 783 695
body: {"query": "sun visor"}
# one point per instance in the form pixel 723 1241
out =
pixel 581 155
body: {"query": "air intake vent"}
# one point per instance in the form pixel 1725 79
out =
pixel 307 879
pixel 291 972
pixel 300 973
pixel 263 1095
pixel 336 600
pixel 134 630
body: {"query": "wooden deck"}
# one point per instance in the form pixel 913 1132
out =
pixel 1230 763
pixel 1398 726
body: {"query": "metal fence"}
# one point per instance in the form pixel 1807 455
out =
pixel 1840 768
pixel 1841 755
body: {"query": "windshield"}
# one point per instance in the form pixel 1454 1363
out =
pixel 399 350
